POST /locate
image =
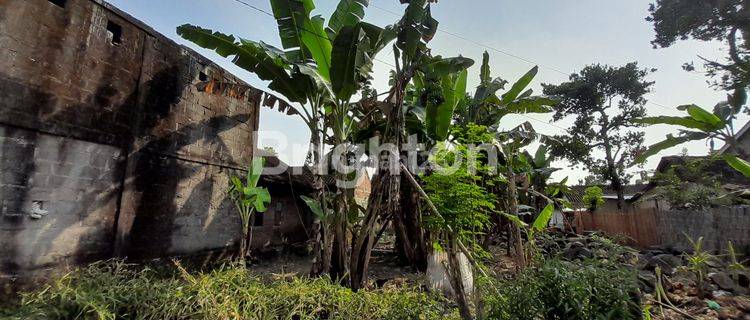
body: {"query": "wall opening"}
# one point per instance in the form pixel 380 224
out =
pixel 59 3
pixel 202 76
pixel 114 33
pixel 258 219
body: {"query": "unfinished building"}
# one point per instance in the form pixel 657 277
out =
pixel 107 149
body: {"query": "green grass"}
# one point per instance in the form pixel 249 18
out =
pixel 553 289
pixel 559 289
pixel 114 290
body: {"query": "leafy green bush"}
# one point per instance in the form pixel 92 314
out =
pixel 114 290
pixel 563 290
pixel 593 197
pixel 458 192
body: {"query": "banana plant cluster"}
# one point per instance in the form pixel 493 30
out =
pixel 440 100
pixel 322 66
pixel 440 95
pixel 700 124
pixel 319 66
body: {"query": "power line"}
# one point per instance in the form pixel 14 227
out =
pixel 481 44
pixel 390 64
pixel 454 35
pixel 488 47
pixel 541 121
pixel 255 8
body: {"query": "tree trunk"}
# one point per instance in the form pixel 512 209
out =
pixel 411 244
pixel 318 264
pixel 364 240
pixel 321 263
pixel 339 240
pixel 243 243
pixel 614 176
pixel 456 278
pixel 620 194
pixel 340 222
pixel 327 250
pixel 519 256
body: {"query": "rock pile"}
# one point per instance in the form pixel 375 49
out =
pixel 725 289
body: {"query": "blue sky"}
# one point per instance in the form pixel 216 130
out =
pixel 561 36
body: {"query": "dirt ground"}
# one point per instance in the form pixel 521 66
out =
pixel 385 270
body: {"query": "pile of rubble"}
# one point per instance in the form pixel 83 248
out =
pixel 724 293
pixel 725 287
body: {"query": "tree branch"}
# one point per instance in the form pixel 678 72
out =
pixel 733 52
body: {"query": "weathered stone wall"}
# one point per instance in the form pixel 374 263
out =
pixel 75 183
pixel 102 128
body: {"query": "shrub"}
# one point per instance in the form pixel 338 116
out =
pixel 593 197
pixel 563 290
pixel 115 290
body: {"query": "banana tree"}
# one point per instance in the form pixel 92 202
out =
pixel 539 225
pixel 438 98
pixel 320 68
pixel 413 31
pixel 700 124
pixel 509 144
pixel 538 171
pixel 488 109
pixel 248 198
pixel 443 86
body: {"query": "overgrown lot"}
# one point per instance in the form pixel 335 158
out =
pixel 555 289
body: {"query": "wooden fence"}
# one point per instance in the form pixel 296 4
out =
pixel 647 227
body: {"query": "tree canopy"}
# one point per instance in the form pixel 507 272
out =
pixel 604 101
pixel 727 21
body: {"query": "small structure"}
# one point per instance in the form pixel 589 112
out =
pixel 730 178
pixel 363 190
pixel 742 147
pixel 610 196
pixel 288 219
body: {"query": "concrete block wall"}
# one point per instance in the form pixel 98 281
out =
pixel 102 127
pixel 717 226
pixel 73 185
pixel 61 75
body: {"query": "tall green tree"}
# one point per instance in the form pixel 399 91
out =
pixel 604 101
pixel 726 21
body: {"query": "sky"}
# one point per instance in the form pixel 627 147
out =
pixel 560 36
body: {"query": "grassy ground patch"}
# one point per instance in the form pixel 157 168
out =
pixel 114 290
